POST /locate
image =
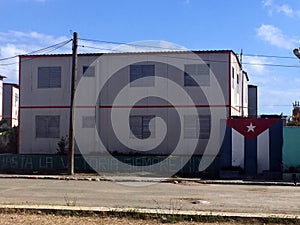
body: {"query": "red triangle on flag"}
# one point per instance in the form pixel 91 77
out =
pixel 251 127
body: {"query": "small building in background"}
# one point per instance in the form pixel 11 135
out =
pixel 252 101
pixel 1 96
pixel 10 104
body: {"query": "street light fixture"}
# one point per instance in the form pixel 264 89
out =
pixel 296 52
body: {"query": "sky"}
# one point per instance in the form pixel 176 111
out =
pixel 266 31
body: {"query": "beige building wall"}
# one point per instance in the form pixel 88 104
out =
pixel 36 102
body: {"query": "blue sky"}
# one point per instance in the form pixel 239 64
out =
pixel 268 27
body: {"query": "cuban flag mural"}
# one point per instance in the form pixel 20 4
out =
pixel 254 145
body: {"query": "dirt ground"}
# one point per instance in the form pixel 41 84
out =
pixel 33 219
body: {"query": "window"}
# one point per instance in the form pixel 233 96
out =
pixel 47 126
pixel 237 82
pixel 49 77
pixel 140 126
pixel 196 74
pixel 232 77
pixel 204 126
pixel 88 71
pixel 197 126
pixel 88 122
pixel 16 99
pixel 142 71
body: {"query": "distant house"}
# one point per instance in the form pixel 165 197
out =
pixel 45 98
pixel 252 101
pixel 1 95
pixel 11 104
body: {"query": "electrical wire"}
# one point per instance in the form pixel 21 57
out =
pixel 45 50
pixel 129 44
pixel 159 47
pixel 220 61
pixel 207 60
pixel 270 56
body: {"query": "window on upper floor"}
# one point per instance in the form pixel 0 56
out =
pixel 88 71
pixel 237 82
pixel 147 72
pixel 197 126
pixel 49 77
pixel 16 99
pixel 47 126
pixel 88 122
pixel 232 77
pixel 196 74
pixel 141 127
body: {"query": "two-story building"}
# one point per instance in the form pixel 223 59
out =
pixel 140 102
pixel 11 104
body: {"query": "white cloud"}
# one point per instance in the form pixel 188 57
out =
pixel 255 66
pixel 275 37
pixel 14 43
pixel 150 46
pixel 284 8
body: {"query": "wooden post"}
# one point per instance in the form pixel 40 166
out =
pixel 71 125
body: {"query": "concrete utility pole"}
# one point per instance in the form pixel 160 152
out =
pixel 73 80
pixel 242 77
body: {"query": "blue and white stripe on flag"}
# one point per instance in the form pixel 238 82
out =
pixel 255 145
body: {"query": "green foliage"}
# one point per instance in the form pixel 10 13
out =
pixel 9 140
pixel 293 123
pixel 62 145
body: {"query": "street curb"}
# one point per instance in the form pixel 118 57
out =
pixel 129 212
pixel 146 179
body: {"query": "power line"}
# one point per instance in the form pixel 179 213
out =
pixel 45 50
pixel 207 60
pixel 7 58
pixel 61 44
pixel 131 44
pixel 167 48
pixel 159 47
pixel 275 65
pixel 270 56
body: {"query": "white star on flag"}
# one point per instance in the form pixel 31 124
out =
pixel 251 128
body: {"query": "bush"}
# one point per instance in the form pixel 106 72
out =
pixel 62 145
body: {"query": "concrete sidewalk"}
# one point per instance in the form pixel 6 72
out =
pixel 176 196
pixel 92 177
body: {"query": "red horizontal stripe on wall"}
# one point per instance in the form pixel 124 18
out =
pixel 44 107
pixel 53 107
pixel 10 118
pixel 127 106
pixel 161 106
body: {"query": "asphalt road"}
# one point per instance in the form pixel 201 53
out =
pixel 181 196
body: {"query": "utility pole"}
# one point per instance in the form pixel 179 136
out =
pixel 242 77
pixel 71 124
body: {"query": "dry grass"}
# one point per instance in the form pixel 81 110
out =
pixel 37 219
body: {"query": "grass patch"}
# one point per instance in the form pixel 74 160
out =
pixel 161 218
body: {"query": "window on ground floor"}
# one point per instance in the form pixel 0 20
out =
pixel 47 126
pixel 197 126
pixel 141 127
